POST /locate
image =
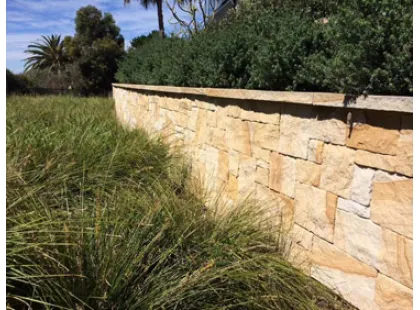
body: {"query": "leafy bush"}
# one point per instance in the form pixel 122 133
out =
pixel 102 218
pixel 350 46
pixel 17 83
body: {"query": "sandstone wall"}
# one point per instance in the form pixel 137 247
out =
pixel 338 173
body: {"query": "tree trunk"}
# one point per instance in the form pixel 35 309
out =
pixel 159 4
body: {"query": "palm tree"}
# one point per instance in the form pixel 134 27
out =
pixel 48 54
pixel 159 4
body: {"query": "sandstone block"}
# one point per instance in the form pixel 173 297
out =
pixel 315 211
pixel 361 186
pixel 345 274
pixel 192 119
pixel 358 237
pixel 337 171
pixel 262 176
pixel 315 150
pixel 329 126
pixel 266 136
pixel 353 207
pixel 233 163
pixel 211 118
pixel 308 172
pixel 247 176
pixel 269 118
pixel 397 258
pixel 238 137
pixel 391 295
pixel 262 155
pixel 232 187
pixel 392 206
pixel 219 139
pixel 223 166
pixel 302 237
pixel 282 174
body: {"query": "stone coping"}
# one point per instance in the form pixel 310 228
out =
pixel 379 103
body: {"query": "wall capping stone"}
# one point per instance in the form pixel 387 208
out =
pixel 378 103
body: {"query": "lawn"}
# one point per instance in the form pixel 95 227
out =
pixel 99 217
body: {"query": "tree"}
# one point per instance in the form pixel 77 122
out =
pixel 48 54
pixel 159 5
pixel 142 40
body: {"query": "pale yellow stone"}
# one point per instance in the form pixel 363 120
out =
pixel 200 127
pixel 238 137
pixel 192 119
pixel 247 176
pixel 358 237
pixel 262 176
pixel 392 206
pixel 391 295
pixel 337 170
pixel 233 163
pixel 329 126
pixel 233 111
pixel 222 118
pixel 185 104
pixel 232 187
pixel 314 211
pixel 211 118
pixel 282 174
pixel 302 237
pixel 344 274
pixel 219 139
pixel 308 172
pixel 261 155
pixel 315 150
pixel 266 136
pixel 397 258
pixel 269 118
pixel 223 166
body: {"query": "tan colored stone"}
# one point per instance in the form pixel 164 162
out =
pixel 282 174
pixel 266 136
pixel 211 118
pixel 219 139
pixel 262 176
pixel 247 176
pixel 238 137
pixel 397 258
pixel 337 170
pixel 232 187
pixel 404 159
pixel 391 295
pixel 269 118
pixel 295 131
pixel 344 274
pixel 314 211
pixel 192 119
pixel 233 163
pixel 233 111
pixel 185 104
pixel 375 139
pixel 200 127
pixel 222 118
pixel 308 172
pixel 261 155
pixel 302 237
pixel 358 237
pixel 392 206
pixel 329 126
pixel 315 150
pixel 353 207
pixel 223 166
pixel 361 186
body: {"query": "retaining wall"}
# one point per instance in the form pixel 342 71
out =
pixel 337 170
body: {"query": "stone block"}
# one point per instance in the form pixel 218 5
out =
pixel 315 210
pixel 219 139
pixel 211 118
pixel 282 174
pixel 337 170
pixel 247 176
pixel 329 126
pixel 232 187
pixel 233 163
pixel 353 207
pixel 392 206
pixel 358 237
pixel 391 295
pixel 315 150
pixel 238 137
pixel 193 119
pixel 223 166
pixel 361 186
pixel 346 275
pixel 261 155
pixel 308 172
pixel 262 176
pixel 266 136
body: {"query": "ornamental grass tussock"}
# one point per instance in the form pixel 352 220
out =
pixel 99 217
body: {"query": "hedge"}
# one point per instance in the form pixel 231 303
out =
pixel 351 46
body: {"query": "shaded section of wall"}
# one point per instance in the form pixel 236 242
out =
pixel 339 178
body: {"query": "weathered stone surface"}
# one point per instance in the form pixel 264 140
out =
pixel 262 176
pixel 358 237
pixel 372 138
pixel 223 166
pixel 233 163
pixel 337 171
pixel 404 160
pixel 261 155
pixel 302 237
pixel 238 137
pixel 353 207
pixel 247 176
pixel 314 211
pixel 211 118
pixel 269 118
pixel 192 119
pixel 308 172
pixel 382 176
pixel 391 295
pixel 222 118
pixel 295 131
pixel 315 150
pixel 397 258
pixel 346 275
pixel 219 139
pixel 392 206
pixel 329 126
pixel 301 248
pixel 232 187
pixel 361 186
pixel 266 136
pixel 200 127
pixel 282 174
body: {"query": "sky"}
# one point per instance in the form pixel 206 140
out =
pixel 27 20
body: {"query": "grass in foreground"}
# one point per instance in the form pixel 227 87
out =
pixel 102 218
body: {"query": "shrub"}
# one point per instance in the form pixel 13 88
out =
pixel 16 83
pixel 350 46
pixel 99 217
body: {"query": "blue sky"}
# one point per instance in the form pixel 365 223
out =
pixel 27 20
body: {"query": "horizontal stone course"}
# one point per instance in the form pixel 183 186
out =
pixel 336 174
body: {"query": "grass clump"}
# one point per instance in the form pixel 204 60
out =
pixel 97 218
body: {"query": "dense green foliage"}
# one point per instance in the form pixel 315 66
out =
pixel 16 83
pixel 350 46
pixel 99 217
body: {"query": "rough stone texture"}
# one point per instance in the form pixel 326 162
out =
pixel 282 174
pixel 390 295
pixel 353 207
pixel 392 206
pixel 337 176
pixel 337 172
pixel 314 211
